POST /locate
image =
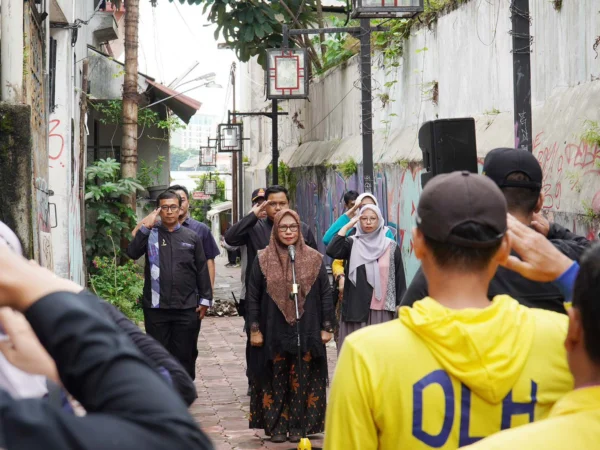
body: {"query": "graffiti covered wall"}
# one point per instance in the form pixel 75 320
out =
pixel 319 198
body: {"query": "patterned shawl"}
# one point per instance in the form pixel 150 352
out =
pixel 276 266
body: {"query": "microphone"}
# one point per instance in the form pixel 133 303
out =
pixel 292 252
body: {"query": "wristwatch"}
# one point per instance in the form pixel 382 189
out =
pixel 337 279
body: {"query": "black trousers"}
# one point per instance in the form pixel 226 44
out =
pixel 232 256
pixel 177 330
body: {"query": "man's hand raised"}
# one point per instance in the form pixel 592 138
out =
pixel 150 220
pixel 540 260
pixel 257 209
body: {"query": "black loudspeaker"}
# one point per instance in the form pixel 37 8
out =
pixel 448 145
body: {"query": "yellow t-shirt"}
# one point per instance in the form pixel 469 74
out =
pixel 442 378
pixel 573 424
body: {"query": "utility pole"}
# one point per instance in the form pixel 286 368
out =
pixel 522 40
pixel 366 103
pixel 129 154
pixel 275 138
pixel 364 34
pixel 234 159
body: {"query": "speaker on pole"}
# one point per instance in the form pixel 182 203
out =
pixel 448 145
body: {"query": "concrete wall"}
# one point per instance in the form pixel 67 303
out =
pixel 16 173
pixel 468 54
pixel 66 155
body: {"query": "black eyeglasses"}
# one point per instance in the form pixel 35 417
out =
pixel 166 208
pixel 292 228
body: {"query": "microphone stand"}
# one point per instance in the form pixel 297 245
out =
pixel 304 443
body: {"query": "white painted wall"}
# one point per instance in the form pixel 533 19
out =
pixel 11 50
pixel 64 145
pixel 469 55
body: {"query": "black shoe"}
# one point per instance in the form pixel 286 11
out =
pixel 279 438
pixel 294 438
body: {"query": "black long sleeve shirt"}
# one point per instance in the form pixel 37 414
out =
pixel 128 405
pixel 529 293
pixel 255 234
pixel 357 299
pixel 184 277
pixel 149 347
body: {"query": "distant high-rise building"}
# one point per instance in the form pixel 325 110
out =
pixel 196 133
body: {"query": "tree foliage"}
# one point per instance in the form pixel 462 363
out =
pixel 250 27
pixel 108 218
pixel 197 207
pixel 178 156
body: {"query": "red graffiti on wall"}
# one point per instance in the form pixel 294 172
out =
pixel 568 161
pixel 52 134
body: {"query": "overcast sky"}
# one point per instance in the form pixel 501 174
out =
pixel 172 37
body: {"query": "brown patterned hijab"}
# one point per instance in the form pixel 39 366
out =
pixel 276 266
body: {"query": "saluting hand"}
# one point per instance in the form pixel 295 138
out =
pixel 540 260
pixel 151 218
pixel 257 209
pixel 352 211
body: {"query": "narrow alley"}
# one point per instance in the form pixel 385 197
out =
pixel 222 407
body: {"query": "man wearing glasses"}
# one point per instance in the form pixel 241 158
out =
pixel 177 281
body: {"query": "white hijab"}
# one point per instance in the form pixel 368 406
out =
pixel 367 248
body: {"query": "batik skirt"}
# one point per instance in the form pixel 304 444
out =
pixel 275 404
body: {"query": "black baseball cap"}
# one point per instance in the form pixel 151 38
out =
pixel 501 162
pixel 258 193
pixel 457 198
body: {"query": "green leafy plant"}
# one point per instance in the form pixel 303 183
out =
pixel 286 175
pixel 340 47
pixel 589 215
pixel 591 134
pixel 121 285
pixel 149 174
pixel 348 168
pixel 112 114
pixel 107 216
pixel 403 163
pixel 391 42
pixel 252 27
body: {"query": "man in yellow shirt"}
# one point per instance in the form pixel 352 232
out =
pixel 456 369
pixel 574 421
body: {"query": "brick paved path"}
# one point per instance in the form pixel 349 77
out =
pixel 223 406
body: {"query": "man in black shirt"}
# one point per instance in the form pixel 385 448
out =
pixel 255 233
pixel 177 282
pixel 519 176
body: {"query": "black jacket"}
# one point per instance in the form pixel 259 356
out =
pixel 356 304
pixel 129 406
pixel 527 292
pixel 255 235
pixel 184 274
pixel 279 336
pixel 157 356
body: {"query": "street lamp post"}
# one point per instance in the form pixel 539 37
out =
pixel 363 10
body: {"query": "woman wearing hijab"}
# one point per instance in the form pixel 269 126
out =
pixel 276 400
pixel 344 219
pixel 374 272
